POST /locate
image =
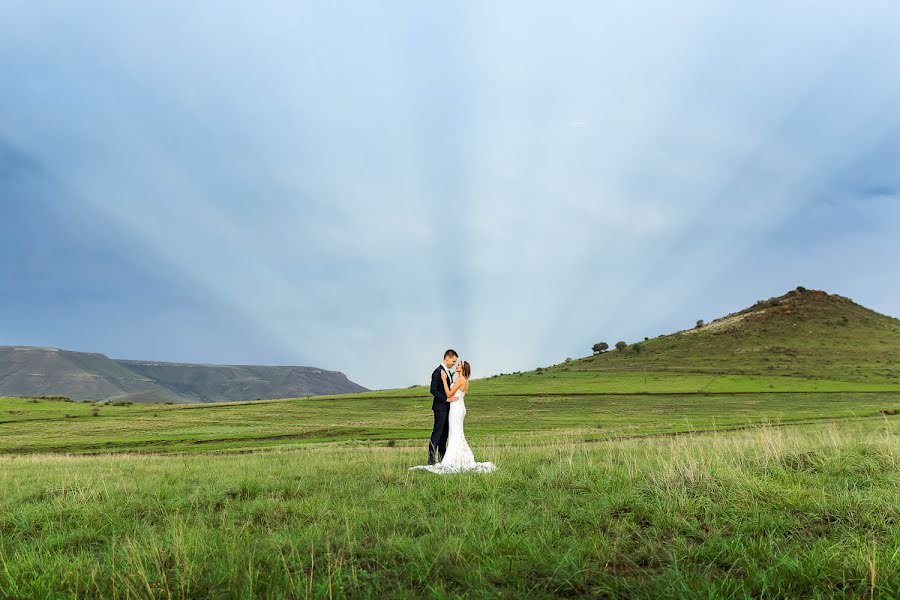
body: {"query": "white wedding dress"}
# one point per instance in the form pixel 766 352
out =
pixel 459 457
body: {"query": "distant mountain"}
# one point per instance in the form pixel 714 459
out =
pixel 30 371
pixel 803 333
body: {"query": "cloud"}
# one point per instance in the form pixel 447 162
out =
pixel 358 187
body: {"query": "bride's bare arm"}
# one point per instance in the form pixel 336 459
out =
pixel 450 391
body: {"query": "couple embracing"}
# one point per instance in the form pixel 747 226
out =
pixel 448 440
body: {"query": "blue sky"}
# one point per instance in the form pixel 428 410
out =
pixel 357 186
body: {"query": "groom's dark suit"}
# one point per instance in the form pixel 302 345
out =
pixel 441 409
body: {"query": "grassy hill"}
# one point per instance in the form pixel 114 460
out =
pixel 807 334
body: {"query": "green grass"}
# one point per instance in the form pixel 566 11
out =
pixel 807 511
pixel 759 461
pixel 810 335
pixel 71 427
pixel 785 495
pixel 571 380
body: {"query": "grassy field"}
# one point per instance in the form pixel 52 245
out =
pixel 801 511
pixel 686 495
pixel 52 426
pixel 755 457
pixel 563 380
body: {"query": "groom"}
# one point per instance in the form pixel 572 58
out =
pixel 440 407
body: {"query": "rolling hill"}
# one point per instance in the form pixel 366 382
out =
pixel 30 371
pixel 807 334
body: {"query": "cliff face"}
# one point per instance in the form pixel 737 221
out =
pixel 29 371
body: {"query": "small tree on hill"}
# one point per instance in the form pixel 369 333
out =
pixel 600 347
pixel 621 346
pixel 699 323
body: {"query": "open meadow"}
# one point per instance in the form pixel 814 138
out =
pixel 685 468
pixel 743 495
pixel 799 511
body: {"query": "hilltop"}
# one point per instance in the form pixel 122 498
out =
pixel 803 333
pixel 30 371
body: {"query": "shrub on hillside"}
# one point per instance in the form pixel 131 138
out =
pixel 621 346
pixel 699 323
pixel 600 347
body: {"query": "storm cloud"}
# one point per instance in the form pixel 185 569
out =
pixel 358 186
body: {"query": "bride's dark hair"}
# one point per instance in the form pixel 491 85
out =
pixel 466 369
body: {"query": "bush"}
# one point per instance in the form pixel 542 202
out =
pixel 801 289
pixel 600 347
pixel 568 360
pixel 621 346
pixel 636 348
pixel 699 323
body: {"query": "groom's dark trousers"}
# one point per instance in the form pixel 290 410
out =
pixel 441 409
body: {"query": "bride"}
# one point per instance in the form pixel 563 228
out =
pixel 458 457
